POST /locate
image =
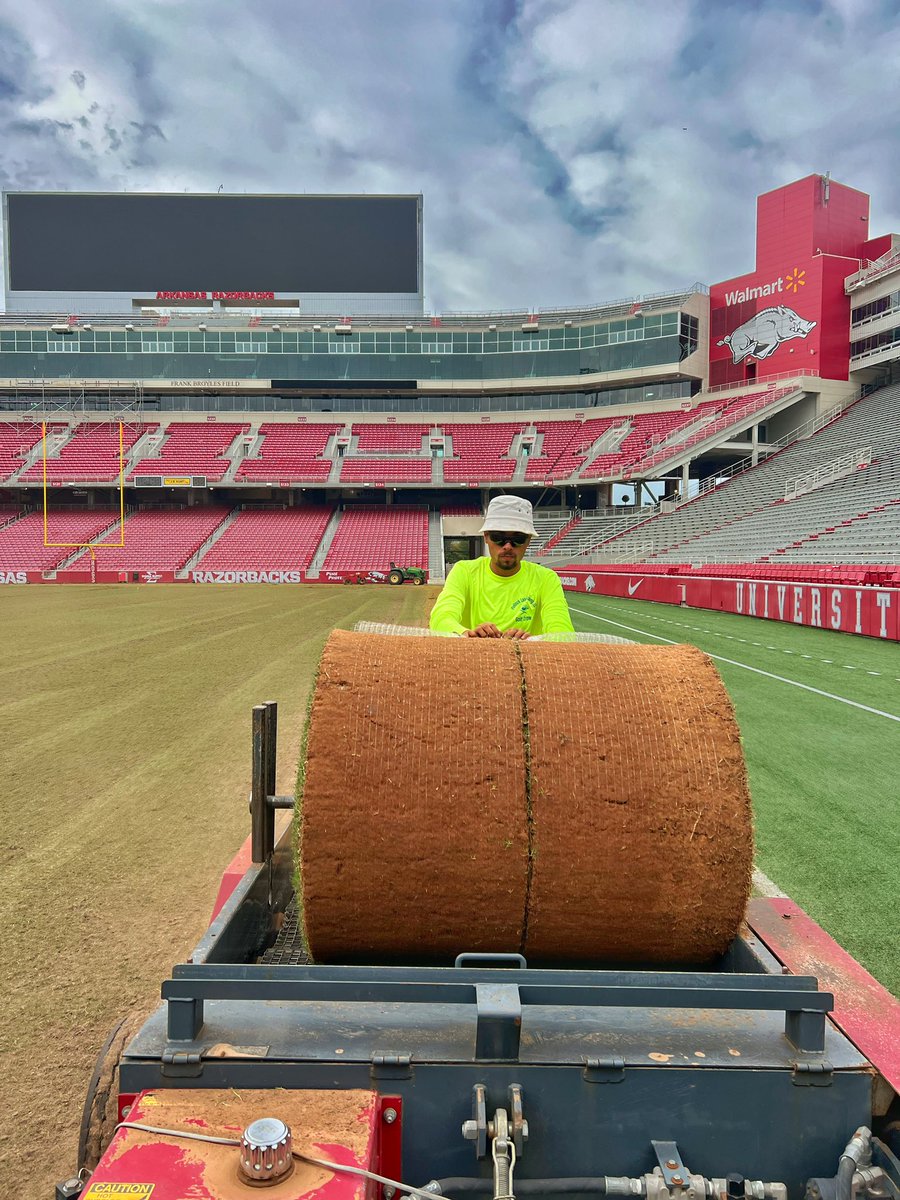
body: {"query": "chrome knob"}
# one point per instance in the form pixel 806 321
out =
pixel 265 1151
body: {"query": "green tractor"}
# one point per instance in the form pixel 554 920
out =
pixel 398 575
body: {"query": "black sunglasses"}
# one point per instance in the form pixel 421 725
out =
pixel 514 539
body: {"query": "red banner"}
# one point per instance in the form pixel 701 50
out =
pixel 870 611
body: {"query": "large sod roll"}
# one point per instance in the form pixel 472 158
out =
pixel 413 839
pixel 576 802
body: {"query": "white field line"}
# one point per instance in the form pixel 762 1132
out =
pixel 765 886
pixel 746 667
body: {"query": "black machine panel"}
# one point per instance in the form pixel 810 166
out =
pixel 138 243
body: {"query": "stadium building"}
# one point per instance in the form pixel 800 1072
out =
pixel 245 387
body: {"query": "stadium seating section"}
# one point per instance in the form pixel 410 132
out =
pixel 17 439
pixel 158 540
pixel 190 448
pixel 745 525
pixel 266 539
pixel 481 452
pixel 388 439
pixel 93 453
pixel 290 454
pixel 373 538
pixel 23 544
pixel 376 453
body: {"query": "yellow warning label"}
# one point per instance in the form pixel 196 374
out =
pixel 179 481
pixel 135 1191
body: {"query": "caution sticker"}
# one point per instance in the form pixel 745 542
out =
pixel 134 1191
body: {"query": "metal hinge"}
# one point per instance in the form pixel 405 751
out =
pixel 814 1074
pixel 391 1066
pixel 604 1070
pixel 181 1064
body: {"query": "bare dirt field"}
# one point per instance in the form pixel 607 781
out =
pixel 125 743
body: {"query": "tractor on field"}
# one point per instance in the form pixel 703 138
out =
pixel 301 1051
pixel 398 575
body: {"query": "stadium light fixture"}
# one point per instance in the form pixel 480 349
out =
pixel 317 328
pixel 492 328
pixel 409 328
pixel 87 325
pixel 202 327
pixel 130 327
pixel 277 328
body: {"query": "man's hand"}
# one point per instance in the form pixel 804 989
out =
pixel 485 630
pixel 518 634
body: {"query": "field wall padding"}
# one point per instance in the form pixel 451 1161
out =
pixel 578 803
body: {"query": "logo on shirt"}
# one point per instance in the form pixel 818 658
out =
pixel 524 609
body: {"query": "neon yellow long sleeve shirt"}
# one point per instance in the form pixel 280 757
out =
pixel 532 599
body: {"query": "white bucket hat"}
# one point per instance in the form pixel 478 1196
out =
pixel 509 514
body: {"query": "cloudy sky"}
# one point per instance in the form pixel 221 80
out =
pixel 569 151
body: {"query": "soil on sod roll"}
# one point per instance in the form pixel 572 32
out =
pixel 642 835
pixel 413 831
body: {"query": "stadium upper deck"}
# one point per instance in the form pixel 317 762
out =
pixel 184 348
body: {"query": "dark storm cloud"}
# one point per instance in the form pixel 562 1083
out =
pixel 568 151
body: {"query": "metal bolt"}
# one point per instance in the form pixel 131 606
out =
pixel 389 1116
pixel 470 1130
pixel 388 1192
pixel 677 1179
pixel 671 1164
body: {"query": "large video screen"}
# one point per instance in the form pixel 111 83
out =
pixel 142 244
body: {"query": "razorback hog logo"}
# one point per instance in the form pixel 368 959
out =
pixel 763 334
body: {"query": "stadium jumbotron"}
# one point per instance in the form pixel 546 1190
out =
pixel 286 411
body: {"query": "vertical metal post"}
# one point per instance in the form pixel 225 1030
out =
pixel 258 793
pixel 271 750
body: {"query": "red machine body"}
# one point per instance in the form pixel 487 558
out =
pixel 342 1127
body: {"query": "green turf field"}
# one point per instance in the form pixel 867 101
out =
pixel 824 768
pixel 125 735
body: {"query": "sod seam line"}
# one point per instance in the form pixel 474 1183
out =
pixel 529 808
pixel 745 666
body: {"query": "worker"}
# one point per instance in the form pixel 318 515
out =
pixel 499 594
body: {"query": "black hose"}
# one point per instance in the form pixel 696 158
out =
pixel 578 1185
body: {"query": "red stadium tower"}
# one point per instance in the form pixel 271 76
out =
pixel 792 312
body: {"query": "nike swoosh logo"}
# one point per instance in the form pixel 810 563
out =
pixel 633 587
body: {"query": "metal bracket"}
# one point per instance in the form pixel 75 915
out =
pixel 390 1066
pixel 498 1021
pixel 475 1130
pixel 675 1173
pixel 181 1064
pixel 518 1126
pixel 604 1070
pixel 814 1074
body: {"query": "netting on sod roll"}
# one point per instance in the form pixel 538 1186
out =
pixel 578 802
pixel 606 639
